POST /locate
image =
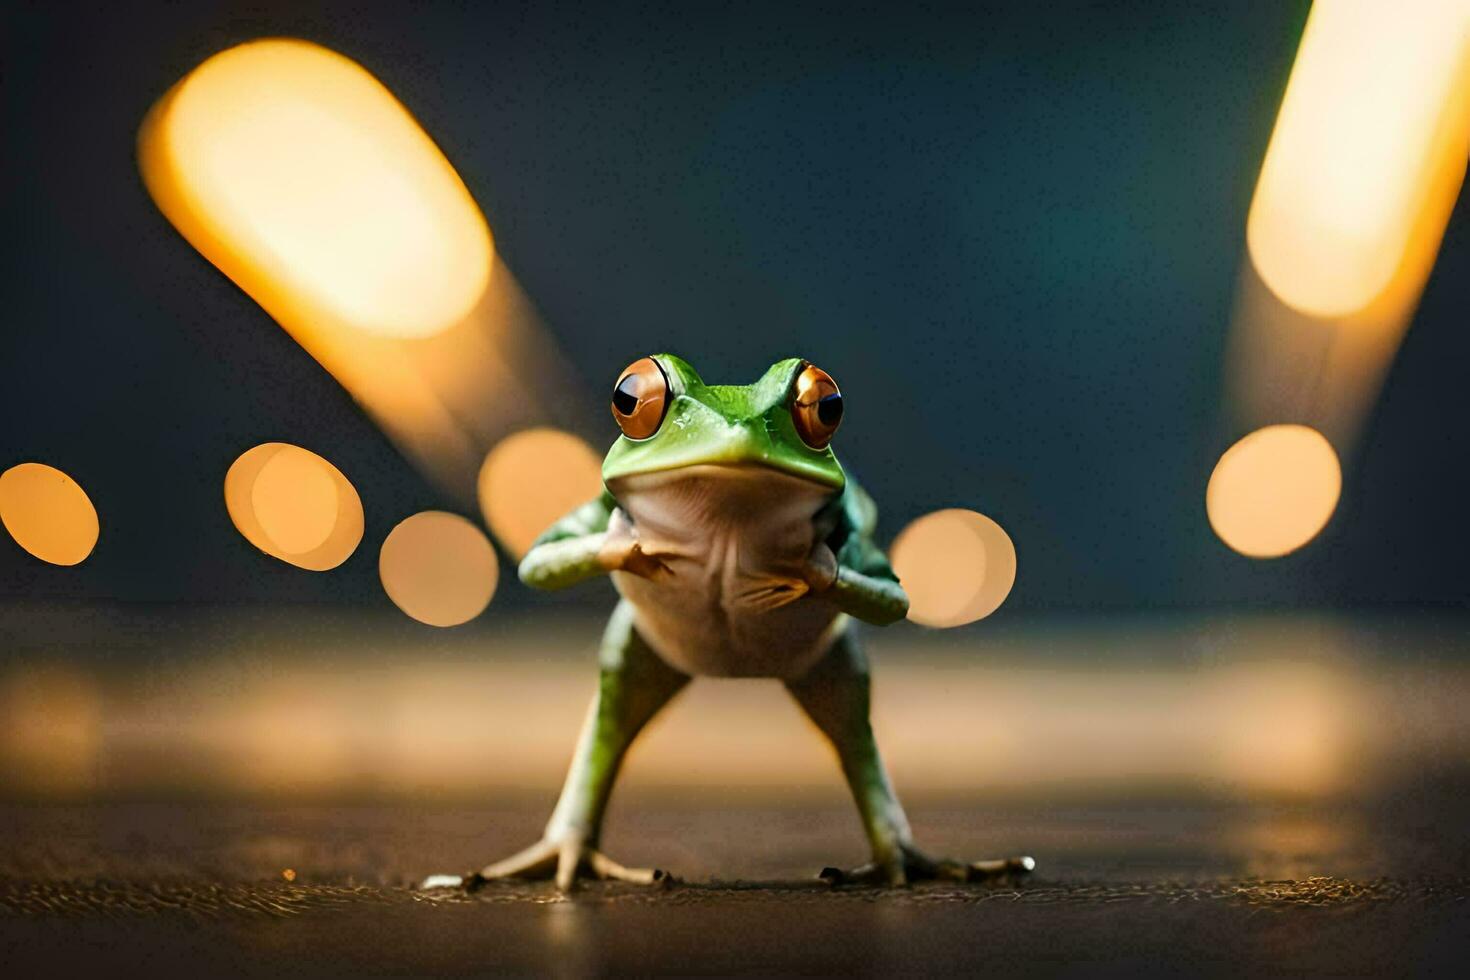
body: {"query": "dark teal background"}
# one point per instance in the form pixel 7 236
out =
pixel 1012 234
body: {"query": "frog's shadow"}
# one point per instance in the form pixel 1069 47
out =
pixel 675 890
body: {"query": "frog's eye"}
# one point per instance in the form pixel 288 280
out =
pixel 816 406
pixel 640 398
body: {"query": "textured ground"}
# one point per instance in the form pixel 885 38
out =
pixel 1124 755
pixel 1192 889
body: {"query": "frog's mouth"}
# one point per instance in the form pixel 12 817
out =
pixel 743 483
pixel 736 475
pixel 719 493
pixel 747 454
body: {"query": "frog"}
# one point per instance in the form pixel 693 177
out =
pixel 739 547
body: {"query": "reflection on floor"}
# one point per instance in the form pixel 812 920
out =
pixel 211 792
pixel 311 704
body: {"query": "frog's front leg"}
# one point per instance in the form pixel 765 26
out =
pixel 634 684
pixel 835 695
pixel 592 540
pixel 860 590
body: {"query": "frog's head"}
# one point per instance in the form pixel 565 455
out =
pixel 671 419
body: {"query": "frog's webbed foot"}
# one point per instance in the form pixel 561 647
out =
pixel 910 864
pixel 566 860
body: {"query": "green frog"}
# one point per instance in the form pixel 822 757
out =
pixel 740 548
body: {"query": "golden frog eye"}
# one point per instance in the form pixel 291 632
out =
pixel 640 398
pixel 816 406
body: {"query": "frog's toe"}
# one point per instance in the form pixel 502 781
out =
pixel 564 860
pixel 866 874
pixel 915 865
pixel 1000 867
pixel 922 867
pixel 575 859
pixel 532 862
pixel 607 869
pixel 536 861
pixel 436 882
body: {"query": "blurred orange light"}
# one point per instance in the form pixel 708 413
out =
pixel 438 568
pixel 300 175
pixel 1274 490
pixel 1372 124
pixel 957 566
pixel 303 179
pixel 294 505
pixel 1285 728
pixel 295 498
pixel 50 729
pixel 47 513
pixel 532 478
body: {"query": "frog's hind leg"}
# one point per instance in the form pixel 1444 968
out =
pixel 634 684
pixel 835 695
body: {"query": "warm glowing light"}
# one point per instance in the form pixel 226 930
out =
pixel 305 181
pixel 957 566
pixel 295 497
pixel 47 513
pixel 1274 490
pixel 438 568
pixel 50 729
pixel 1372 123
pixel 294 505
pixel 298 174
pixel 1286 728
pixel 339 707
pixel 532 478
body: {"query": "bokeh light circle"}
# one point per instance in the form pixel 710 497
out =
pixel 532 478
pixel 438 568
pixel 294 505
pixel 1274 490
pixel 957 566
pixel 47 513
pixel 301 176
pixel 303 483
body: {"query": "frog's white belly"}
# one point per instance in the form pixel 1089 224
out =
pixel 735 540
